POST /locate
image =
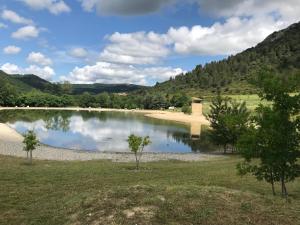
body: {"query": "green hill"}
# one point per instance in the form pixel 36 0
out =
pixel 19 85
pixel 26 83
pixel 280 51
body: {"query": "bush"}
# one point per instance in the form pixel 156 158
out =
pixel 186 109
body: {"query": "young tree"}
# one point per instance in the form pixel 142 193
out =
pixel 30 141
pixel 274 136
pixel 228 121
pixel 137 145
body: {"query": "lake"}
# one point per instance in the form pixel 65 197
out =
pixel 105 131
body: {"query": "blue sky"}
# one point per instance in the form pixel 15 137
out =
pixel 132 41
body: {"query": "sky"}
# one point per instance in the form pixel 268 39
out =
pixel 131 41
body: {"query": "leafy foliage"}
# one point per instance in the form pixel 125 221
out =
pixel 228 120
pixel 274 135
pixel 30 142
pixel 137 145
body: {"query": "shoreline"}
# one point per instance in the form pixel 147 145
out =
pixel 157 114
pixel 11 145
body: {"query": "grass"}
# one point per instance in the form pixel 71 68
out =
pixel 173 192
pixel 252 101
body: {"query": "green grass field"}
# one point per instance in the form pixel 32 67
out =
pixel 102 192
pixel 252 101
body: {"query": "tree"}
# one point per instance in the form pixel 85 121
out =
pixel 30 141
pixel 228 121
pixel 186 109
pixel 66 87
pixel 137 145
pixel 274 135
pixel 8 95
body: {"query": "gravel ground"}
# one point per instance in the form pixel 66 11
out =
pixel 50 153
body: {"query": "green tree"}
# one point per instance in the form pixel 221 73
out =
pixel 66 87
pixel 228 121
pixel 8 95
pixel 187 109
pixel 30 141
pixel 137 145
pixel 274 136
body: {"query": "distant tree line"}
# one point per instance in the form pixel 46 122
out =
pixel 142 99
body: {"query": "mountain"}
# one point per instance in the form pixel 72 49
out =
pixel 280 51
pixel 34 81
pixel 17 84
pixel 26 83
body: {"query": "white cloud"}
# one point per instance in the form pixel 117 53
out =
pixel 231 37
pixel 39 58
pixel 78 53
pixel 128 7
pixel 26 32
pixel 287 9
pixel 53 6
pixel 136 48
pixel 14 17
pixel 11 50
pixel 225 8
pixel 2 25
pixel 103 72
pixel 10 68
pixel 43 72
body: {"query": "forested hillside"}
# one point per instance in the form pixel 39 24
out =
pixel 30 82
pixel 280 52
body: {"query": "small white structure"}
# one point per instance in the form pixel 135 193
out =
pixel 171 108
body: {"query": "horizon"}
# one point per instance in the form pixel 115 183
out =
pixel 111 42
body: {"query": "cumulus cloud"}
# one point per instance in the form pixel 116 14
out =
pixel 10 68
pixel 231 37
pixel 14 17
pixel 53 6
pixel 11 50
pixel 39 58
pixel 287 9
pixel 104 72
pixel 78 53
pixel 43 72
pixel 225 8
pixel 136 48
pixel 128 7
pixel 26 32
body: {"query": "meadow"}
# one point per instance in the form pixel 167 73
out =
pixel 172 192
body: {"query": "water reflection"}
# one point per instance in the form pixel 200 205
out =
pixel 105 131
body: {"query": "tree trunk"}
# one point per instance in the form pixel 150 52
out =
pixel 30 156
pixel 272 182
pixel 225 149
pixel 27 155
pixel 136 161
pixel 283 187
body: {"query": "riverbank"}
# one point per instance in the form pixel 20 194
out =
pixel 11 145
pixel 158 114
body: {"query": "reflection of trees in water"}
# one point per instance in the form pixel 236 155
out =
pixel 56 120
pixel 202 144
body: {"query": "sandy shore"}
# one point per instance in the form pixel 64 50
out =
pixel 158 114
pixel 11 144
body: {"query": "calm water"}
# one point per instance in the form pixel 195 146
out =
pixel 102 131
